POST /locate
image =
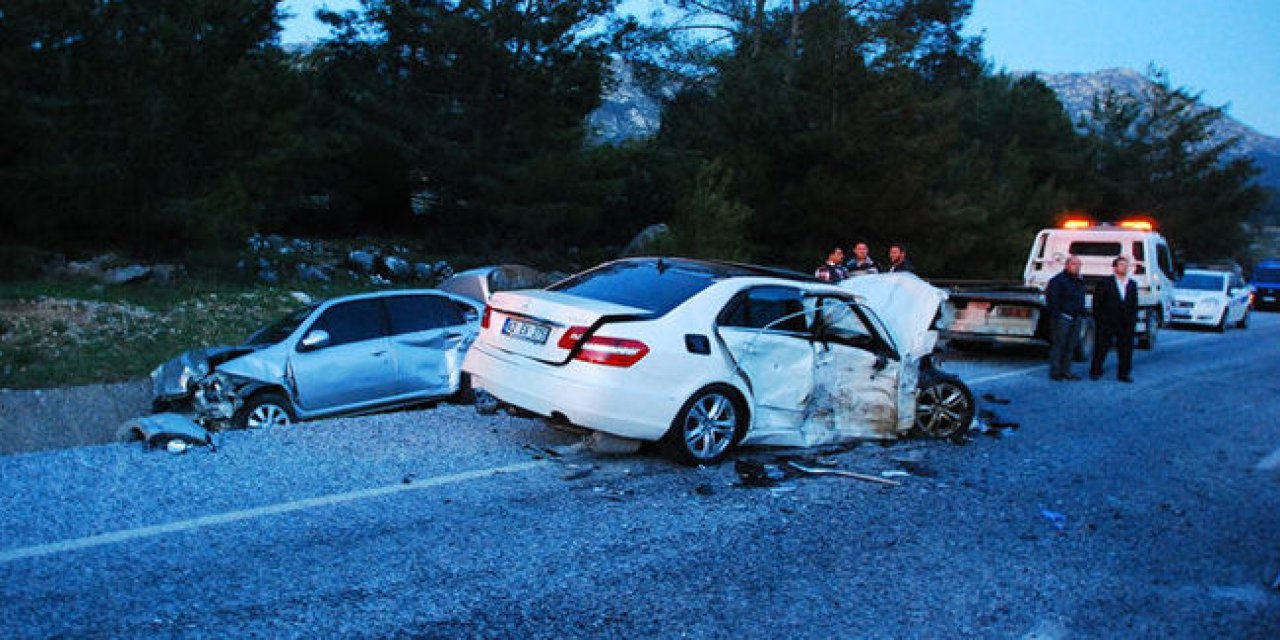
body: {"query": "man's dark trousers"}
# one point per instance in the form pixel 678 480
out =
pixel 1065 337
pixel 1122 336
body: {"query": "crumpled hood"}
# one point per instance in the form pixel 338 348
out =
pixel 174 378
pixel 906 304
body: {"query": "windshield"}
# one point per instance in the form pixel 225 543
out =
pixel 1267 274
pixel 657 286
pixel 280 330
pixel 1201 282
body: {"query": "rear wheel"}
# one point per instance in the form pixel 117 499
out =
pixel 264 411
pixel 708 425
pixel 944 405
pixel 1148 340
pixel 1085 344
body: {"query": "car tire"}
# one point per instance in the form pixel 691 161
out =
pixel 1221 327
pixel 1085 346
pixel 1243 322
pixel 706 428
pixel 264 411
pixel 1148 341
pixel 465 394
pixel 944 406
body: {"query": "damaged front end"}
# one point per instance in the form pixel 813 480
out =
pixel 174 383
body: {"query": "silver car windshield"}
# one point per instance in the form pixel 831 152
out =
pixel 281 329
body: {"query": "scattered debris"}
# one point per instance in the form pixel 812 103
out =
pixel 1058 520
pixel 758 474
pixel 817 471
pixel 989 423
pixel 578 472
pixel 895 473
pixel 163 429
pixel 994 399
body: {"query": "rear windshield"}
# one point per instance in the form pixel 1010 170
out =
pixel 1266 274
pixel 653 285
pixel 1095 248
pixel 1201 282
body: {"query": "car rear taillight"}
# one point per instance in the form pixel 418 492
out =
pixel 484 318
pixel 613 352
pixel 572 337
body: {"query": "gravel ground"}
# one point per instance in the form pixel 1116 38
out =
pixel 34 420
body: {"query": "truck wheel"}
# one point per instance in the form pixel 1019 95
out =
pixel 1148 341
pixel 1088 336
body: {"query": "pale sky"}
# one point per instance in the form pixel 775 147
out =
pixel 1228 50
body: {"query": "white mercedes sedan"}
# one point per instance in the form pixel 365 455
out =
pixel 702 356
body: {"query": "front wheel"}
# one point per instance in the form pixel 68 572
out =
pixel 706 427
pixel 264 411
pixel 944 406
pixel 1243 322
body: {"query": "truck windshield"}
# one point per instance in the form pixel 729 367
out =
pixel 1201 282
pixel 1082 248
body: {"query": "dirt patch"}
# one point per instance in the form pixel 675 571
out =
pixel 34 420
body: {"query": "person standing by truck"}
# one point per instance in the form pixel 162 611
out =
pixel 1064 302
pixel 1115 312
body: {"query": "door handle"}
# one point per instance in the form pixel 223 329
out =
pixel 378 353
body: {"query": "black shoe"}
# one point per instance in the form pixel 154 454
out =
pixel 1124 379
pixel 1071 376
pixel 1056 378
pixel 1095 376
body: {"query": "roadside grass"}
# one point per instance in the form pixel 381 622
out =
pixel 56 334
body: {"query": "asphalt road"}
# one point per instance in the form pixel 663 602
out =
pixel 1143 510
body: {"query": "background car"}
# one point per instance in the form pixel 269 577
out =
pixel 700 356
pixel 347 355
pixel 1211 298
pixel 1266 284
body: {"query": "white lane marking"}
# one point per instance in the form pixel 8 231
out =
pixel 1270 462
pixel 1008 374
pixel 127 535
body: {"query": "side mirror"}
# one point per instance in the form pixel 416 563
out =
pixel 316 339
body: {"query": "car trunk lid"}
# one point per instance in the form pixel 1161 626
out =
pixel 547 325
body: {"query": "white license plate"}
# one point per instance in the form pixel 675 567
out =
pixel 531 331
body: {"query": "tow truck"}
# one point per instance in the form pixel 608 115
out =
pixel 1013 313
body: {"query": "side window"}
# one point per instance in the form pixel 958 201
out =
pixel 352 322
pixel 779 308
pixel 840 323
pixel 1166 262
pixel 1139 251
pixel 410 314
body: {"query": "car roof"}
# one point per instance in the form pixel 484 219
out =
pixel 723 269
pixel 389 293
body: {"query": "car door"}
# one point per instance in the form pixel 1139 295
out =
pixel 429 334
pixel 1239 293
pixel 858 376
pixel 355 364
pixel 766 332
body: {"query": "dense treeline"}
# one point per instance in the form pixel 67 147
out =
pixel 168 129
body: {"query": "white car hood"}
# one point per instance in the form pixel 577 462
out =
pixel 906 305
pixel 1196 295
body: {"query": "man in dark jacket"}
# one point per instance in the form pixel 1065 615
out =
pixel 898 260
pixel 1115 312
pixel 833 269
pixel 1064 302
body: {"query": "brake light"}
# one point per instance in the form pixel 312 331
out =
pixel 613 352
pixel 572 337
pixel 484 317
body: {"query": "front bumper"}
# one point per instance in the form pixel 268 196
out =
pixel 585 394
